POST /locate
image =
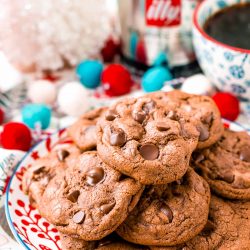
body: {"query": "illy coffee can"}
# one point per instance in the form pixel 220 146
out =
pixel 156 30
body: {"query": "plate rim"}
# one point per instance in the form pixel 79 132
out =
pixel 6 206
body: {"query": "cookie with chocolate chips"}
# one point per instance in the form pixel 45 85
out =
pixel 146 140
pixel 228 227
pixel 226 165
pixel 169 214
pixel 39 174
pixel 111 242
pixel 89 200
pixel 201 110
pixel 83 131
pixel 74 243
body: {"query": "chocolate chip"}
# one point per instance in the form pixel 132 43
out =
pixel 149 152
pixel 204 132
pixel 139 116
pixel 184 248
pixel 227 177
pixel 44 181
pixel 148 107
pixel 62 154
pixel 179 182
pixel 164 208
pixel 245 154
pixel 105 242
pixel 73 196
pixel 94 176
pixel 173 115
pixel 117 138
pixel 207 119
pixel 39 170
pixel 198 157
pixel 107 207
pixel 111 115
pixel 162 126
pixel 183 131
pixel 211 175
pixel 187 108
pixel 199 188
pixel 79 217
pixel 90 130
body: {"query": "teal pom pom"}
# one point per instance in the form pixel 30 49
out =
pixel 33 114
pixel 89 73
pixel 133 41
pixel 154 78
pixel 161 59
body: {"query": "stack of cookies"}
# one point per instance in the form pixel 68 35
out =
pixel 154 172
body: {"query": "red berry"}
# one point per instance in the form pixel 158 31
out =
pixel 116 80
pixel 16 135
pixel 1 116
pixel 110 49
pixel 228 105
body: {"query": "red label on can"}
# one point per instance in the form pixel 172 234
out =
pixel 163 13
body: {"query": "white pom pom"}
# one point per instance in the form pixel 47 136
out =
pixel 198 84
pixel 42 91
pixel 73 99
pixel 167 88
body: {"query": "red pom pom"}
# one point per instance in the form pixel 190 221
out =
pixel 228 105
pixel 110 49
pixel 141 55
pixel 16 135
pixel 1 116
pixel 116 80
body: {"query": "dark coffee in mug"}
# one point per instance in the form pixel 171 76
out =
pixel 231 26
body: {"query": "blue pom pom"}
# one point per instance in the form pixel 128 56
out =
pixel 133 41
pixel 154 78
pixel 36 113
pixel 161 59
pixel 89 73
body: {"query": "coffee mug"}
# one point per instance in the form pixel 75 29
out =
pixel 227 67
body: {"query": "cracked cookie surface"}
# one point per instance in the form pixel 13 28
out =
pixel 111 242
pixel 146 140
pixel 226 165
pixel 201 110
pixel 39 174
pixel 90 200
pixel 169 214
pixel 83 131
pixel 228 227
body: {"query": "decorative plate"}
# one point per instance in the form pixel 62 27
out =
pixel 29 228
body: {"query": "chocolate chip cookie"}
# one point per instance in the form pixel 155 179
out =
pixel 146 140
pixel 89 200
pixel 70 243
pixel 37 176
pixel 83 131
pixel 169 214
pixel 111 242
pixel 201 110
pixel 228 227
pixel 226 165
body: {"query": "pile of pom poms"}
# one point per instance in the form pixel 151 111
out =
pixel 227 103
pixel 115 79
pixel 73 97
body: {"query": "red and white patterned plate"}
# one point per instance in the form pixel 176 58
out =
pixel 29 228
